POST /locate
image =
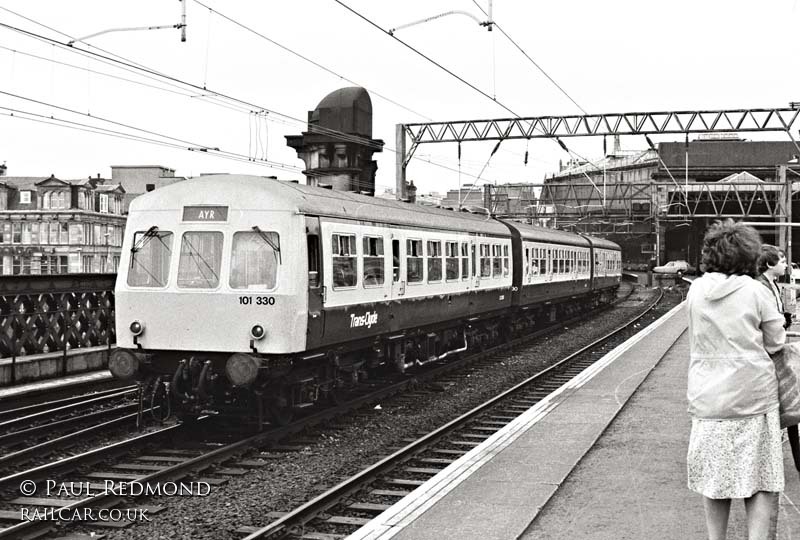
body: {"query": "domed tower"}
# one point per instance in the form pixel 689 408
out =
pixel 338 146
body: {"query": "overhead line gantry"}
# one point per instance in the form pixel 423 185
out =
pixel 410 136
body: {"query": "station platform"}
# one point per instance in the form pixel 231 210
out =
pixel 603 457
pixel 44 386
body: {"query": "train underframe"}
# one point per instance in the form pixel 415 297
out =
pixel 187 384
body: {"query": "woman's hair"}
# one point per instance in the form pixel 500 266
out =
pixel 731 248
pixel 769 256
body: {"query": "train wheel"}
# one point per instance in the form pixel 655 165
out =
pixel 280 416
pixel 337 396
pixel 187 417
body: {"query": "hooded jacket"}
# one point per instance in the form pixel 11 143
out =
pixel 733 325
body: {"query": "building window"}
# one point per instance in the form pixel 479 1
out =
pixel 25 197
pixel 76 234
pixel 104 204
pixel 16 233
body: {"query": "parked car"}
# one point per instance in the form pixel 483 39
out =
pixel 795 273
pixel 674 267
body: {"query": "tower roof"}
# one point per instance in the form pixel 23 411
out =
pixel 348 110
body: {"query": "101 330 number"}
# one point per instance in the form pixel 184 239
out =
pixel 257 300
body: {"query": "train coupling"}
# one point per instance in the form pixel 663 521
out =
pixel 191 381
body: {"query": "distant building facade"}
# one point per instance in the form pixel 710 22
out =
pixel 50 225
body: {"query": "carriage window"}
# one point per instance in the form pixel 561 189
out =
pixel 472 261
pixel 373 261
pixel 505 260
pixel 496 260
pixel 343 249
pixel 542 261
pixel 464 260
pixel 451 263
pixel 150 261
pixel 434 261
pixel 200 260
pixel 486 261
pixel 396 260
pixel 414 261
pixel 568 262
pixel 254 261
pixel 527 269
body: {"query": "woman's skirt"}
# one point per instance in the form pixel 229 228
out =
pixel 734 459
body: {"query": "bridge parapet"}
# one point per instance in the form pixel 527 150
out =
pixel 50 313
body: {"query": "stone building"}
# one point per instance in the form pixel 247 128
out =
pixel 55 226
pixel 338 146
pixel 50 225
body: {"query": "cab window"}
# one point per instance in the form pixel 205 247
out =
pixel 200 260
pixel 254 260
pixel 150 258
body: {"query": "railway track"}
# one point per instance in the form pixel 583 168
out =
pixel 30 432
pixel 128 462
pixel 352 503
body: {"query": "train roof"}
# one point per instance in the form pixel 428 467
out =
pixel 542 234
pixel 259 193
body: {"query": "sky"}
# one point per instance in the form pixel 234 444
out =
pixel 249 72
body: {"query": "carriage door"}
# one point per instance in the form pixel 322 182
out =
pixel 316 290
pixel 398 272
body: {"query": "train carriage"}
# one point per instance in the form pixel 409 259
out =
pixel 249 293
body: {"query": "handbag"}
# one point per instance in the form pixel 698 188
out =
pixel 787 369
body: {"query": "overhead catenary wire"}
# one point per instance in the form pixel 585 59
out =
pixel 140 69
pixel 309 60
pixel 531 60
pixel 434 62
pixel 333 133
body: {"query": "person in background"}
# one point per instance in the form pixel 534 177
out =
pixel 772 266
pixel 735 447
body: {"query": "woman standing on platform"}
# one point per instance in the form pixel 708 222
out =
pixel 771 267
pixel 735 445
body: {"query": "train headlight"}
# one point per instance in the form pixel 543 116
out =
pixel 257 332
pixel 137 327
pixel 123 364
pixel 242 369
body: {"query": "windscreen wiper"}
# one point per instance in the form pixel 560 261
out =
pixel 276 248
pixel 148 234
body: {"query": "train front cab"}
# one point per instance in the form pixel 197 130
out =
pixel 206 292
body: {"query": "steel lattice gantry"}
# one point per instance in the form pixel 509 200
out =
pixel 410 136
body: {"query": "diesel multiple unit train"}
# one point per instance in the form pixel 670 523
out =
pixel 260 297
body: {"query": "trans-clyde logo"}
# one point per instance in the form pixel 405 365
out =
pixel 367 319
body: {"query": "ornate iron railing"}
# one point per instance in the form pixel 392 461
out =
pixel 45 314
